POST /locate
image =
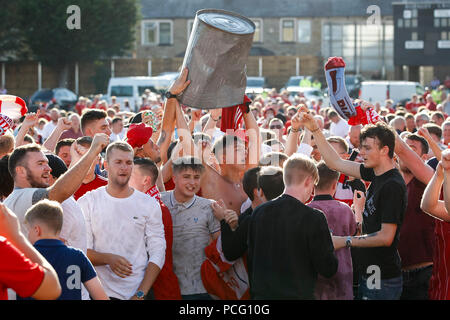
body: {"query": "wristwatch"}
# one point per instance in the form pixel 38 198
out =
pixel 348 242
pixel 169 95
pixel 140 295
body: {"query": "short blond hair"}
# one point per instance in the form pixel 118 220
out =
pixel 47 212
pixel 297 168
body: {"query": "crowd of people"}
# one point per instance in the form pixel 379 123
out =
pixel 168 202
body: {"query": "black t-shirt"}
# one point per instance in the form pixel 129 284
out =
pixel 386 202
pixel 289 244
pixel 234 243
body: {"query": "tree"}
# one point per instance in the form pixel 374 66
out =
pixel 107 28
pixel 11 43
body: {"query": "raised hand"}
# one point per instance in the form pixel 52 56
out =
pixel 307 119
pixel 99 142
pixel 424 133
pixel 181 83
pixel 216 113
pixel 445 161
pixel 64 124
pixel 31 119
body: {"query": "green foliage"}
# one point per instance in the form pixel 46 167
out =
pixel 107 29
pixel 101 76
pixel 10 38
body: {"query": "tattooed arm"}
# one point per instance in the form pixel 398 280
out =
pixel 382 238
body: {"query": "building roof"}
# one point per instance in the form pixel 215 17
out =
pixel 153 9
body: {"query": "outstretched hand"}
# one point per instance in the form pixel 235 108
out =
pixel 31 119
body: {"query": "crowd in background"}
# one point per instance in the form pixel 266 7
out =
pixel 150 207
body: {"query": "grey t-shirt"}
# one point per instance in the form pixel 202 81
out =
pixel 193 225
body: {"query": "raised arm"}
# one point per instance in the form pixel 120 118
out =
pixel 292 139
pixel 331 157
pixel 62 125
pixel 30 121
pixel 49 288
pixel 446 166
pixel 430 200
pixel 433 144
pixel 214 116
pixel 413 162
pixel 254 139
pixel 168 122
pixel 69 182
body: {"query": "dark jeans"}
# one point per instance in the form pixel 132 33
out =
pixel 416 283
pixel 199 296
pixel 390 289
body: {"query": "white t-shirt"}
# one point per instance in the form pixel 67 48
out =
pixel 48 129
pixel 117 137
pixel 74 227
pixel 339 129
pixel 129 227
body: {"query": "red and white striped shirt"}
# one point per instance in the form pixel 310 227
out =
pixel 440 279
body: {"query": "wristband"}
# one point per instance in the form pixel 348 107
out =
pixel 295 130
pixel 318 128
pixel 348 242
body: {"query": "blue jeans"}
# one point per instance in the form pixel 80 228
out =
pixel 416 283
pixel 390 289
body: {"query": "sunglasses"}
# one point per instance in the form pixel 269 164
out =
pixel 276 127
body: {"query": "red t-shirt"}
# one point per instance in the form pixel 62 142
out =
pixel 411 105
pixel 431 106
pixel 166 285
pixel 98 182
pixel 79 108
pixel 416 243
pixel 18 272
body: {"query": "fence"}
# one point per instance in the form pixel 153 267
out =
pixel 22 78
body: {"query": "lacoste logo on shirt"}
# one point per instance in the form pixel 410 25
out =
pixel 195 220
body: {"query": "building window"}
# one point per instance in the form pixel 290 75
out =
pixel 304 31
pixel 407 23
pixel 437 23
pixel 414 36
pixel 190 25
pixel 400 23
pixel 157 32
pixel 414 23
pixel 443 22
pixel 258 35
pixel 287 30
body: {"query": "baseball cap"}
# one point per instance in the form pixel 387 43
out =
pixel 137 118
pixel 138 134
pixel 56 164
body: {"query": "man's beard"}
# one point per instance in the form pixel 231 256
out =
pixel 119 183
pixel 33 182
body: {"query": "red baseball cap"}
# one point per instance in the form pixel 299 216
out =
pixel 138 134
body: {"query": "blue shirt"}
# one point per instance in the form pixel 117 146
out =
pixel 71 265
